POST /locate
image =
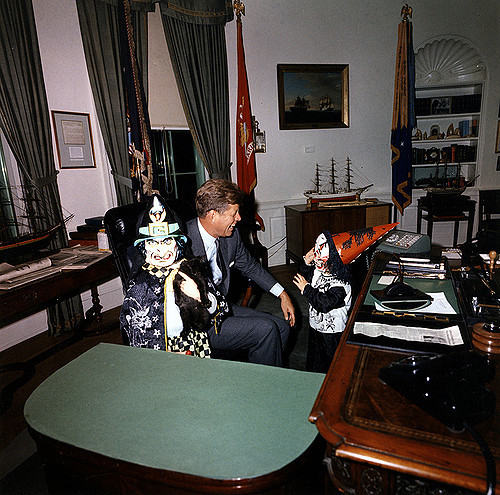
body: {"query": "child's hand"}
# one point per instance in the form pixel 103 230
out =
pixel 309 257
pixel 189 287
pixel 300 282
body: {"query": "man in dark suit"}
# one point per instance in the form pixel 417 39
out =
pixel 213 235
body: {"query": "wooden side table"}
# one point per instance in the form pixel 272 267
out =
pixel 433 210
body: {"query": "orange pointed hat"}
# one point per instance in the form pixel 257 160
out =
pixel 352 243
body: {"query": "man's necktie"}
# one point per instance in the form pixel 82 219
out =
pixel 220 262
pixel 215 263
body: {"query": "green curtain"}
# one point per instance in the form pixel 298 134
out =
pixel 101 41
pixel 194 30
pixel 25 121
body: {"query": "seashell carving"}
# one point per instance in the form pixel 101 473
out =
pixel 448 60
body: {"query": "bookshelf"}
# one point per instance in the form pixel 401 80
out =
pixel 445 144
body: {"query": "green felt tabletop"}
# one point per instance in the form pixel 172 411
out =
pixel 206 417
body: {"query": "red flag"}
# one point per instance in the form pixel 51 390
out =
pixel 245 156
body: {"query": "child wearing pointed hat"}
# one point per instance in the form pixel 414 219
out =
pixel 170 301
pixel 324 278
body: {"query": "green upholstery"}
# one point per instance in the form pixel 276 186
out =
pixel 206 417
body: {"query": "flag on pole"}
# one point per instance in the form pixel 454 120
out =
pixel 138 127
pixel 245 154
pixel 403 117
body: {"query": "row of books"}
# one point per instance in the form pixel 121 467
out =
pixel 468 128
pixel 454 153
pixel 448 105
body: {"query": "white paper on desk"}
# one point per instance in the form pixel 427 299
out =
pixel 447 336
pixel 438 305
pixel 9 272
pixel 29 277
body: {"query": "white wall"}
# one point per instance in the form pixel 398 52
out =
pixel 361 33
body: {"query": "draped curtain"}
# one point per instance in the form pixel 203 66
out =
pixel 25 121
pixel 99 26
pixel 195 36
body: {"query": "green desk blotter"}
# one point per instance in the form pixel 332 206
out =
pixel 206 417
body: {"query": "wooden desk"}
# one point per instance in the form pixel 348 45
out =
pixel 379 442
pixel 36 296
pixel 303 224
pixel 33 297
pixel 132 420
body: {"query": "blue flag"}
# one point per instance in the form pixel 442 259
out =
pixel 403 118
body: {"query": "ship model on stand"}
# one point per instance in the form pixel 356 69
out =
pixel 326 191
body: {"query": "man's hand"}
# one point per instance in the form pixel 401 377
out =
pixel 287 308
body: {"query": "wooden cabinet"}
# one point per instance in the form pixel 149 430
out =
pixel 304 224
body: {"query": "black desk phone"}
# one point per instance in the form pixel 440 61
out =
pixel 450 387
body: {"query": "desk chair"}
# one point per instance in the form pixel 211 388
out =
pixel 489 204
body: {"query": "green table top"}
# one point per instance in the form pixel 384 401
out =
pixel 206 417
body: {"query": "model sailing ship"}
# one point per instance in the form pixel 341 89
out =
pixel 451 185
pixel 31 237
pixel 326 189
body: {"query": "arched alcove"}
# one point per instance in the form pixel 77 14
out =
pixel 448 60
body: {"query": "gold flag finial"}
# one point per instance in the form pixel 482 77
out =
pixel 406 11
pixel 239 8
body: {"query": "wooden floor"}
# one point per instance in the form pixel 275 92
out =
pixel 12 422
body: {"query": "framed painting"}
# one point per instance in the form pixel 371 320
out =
pixel 313 96
pixel 75 148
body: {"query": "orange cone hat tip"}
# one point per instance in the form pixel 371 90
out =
pixel 352 243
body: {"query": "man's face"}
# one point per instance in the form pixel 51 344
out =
pixel 321 252
pixel 161 252
pixel 224 223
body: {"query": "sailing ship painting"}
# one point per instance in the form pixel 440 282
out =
pixel 326 187
pixel 25 232
pixel 313 96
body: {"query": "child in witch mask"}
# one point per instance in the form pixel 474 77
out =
pixel 170 301
pixel 326 283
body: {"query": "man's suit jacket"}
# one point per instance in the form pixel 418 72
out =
pixel 234 255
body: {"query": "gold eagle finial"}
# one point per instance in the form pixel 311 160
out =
pixel 406 11
pixel 239 8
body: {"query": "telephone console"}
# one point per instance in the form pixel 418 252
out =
pixel 401 241
pixel 449 387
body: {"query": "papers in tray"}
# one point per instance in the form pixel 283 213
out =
pixel 450 336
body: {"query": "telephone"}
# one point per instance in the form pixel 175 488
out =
pixel 401 241
pixel 449 387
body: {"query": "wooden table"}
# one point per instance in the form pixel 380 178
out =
pixel 121 419
pixel 446 209
pixel 28 299
pixel 378 441
pixel 33 297
pixel 304 224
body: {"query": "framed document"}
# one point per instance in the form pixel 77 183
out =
pixel 73 134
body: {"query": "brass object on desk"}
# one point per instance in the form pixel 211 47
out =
pixel 486 337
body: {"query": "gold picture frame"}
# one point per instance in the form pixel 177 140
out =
pixel 313 96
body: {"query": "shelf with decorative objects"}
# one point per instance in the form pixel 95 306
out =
pixel 449 90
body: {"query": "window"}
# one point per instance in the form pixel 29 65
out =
pixel 178 166
pixel 10 193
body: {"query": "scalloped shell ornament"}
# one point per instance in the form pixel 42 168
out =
pixel 448 60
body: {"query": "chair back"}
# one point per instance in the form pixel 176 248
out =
pixel 121 224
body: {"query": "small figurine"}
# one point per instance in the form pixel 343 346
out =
pixel 170 301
